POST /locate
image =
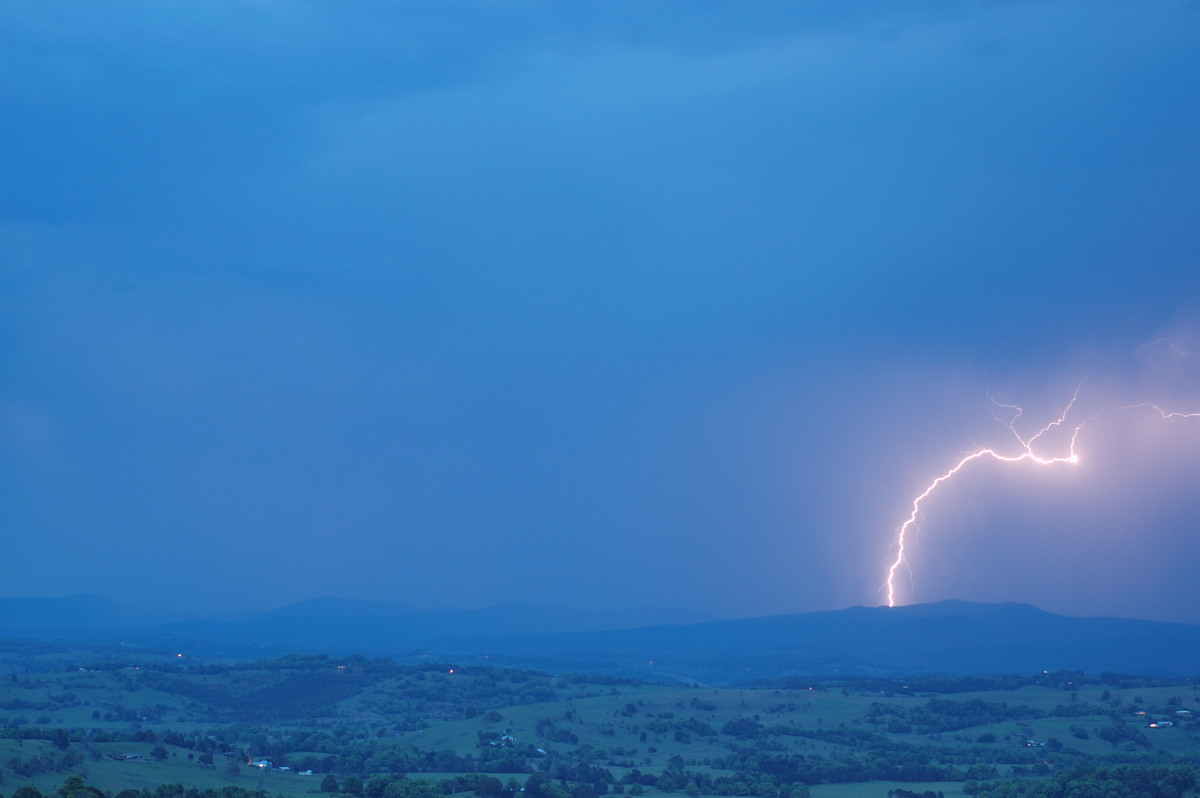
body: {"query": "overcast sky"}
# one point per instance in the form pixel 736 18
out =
pixel 599 304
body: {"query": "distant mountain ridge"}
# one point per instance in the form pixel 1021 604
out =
pixel 947 637
pixel 324 621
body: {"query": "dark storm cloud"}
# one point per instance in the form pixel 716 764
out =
pixel 603 304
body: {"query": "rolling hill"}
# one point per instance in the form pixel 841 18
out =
pixel 949 637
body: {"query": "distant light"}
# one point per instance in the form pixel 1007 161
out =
pixel 452 670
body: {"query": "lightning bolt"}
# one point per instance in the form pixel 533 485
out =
pixel 1027 451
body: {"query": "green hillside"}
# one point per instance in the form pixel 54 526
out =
pixel 382 729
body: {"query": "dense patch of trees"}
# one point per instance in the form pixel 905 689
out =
pixel 1122 781
pixel 896 762
pixel 945 714
pixel 76 787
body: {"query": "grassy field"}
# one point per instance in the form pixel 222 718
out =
pixel 359 717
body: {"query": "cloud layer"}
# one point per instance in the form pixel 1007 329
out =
pixel 603 305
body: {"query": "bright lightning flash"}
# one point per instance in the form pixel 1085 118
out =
pixel 1027 451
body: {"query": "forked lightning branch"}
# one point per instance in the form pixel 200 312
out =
pixel 1033 449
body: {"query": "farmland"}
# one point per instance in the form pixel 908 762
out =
pixel 378 728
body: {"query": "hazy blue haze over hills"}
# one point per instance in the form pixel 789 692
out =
pixel 81 612
pixel 950 637
pixel 341 620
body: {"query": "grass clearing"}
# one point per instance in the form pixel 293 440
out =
pixel 361 717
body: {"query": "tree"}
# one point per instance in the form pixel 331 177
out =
pixel 743 728
pixel 375 786
pixel 159 753
pixel 72 787
pixel 490 787
pixel 353 785
pixel 330 783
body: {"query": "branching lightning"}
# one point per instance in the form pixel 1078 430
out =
pixel 1029 449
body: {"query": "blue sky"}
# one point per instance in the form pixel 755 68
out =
pixel 598 304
